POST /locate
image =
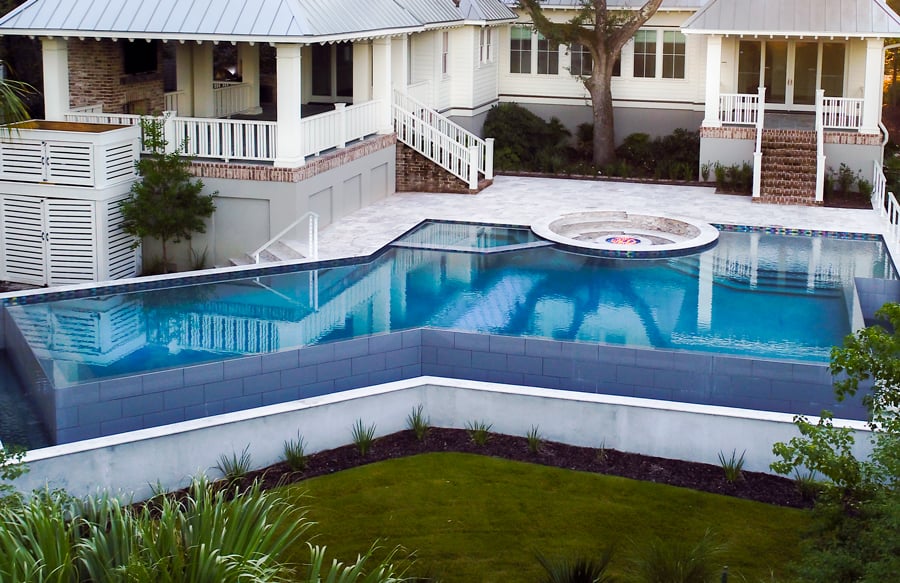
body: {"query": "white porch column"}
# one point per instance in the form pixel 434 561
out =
pixel 400 61
pixel 184 79
pixel 873 90
pixel 713 81
pixel 248 66
pixel 56 78
pixel 290 137
pixel 362 71
pixel 382 82
pixel 204 100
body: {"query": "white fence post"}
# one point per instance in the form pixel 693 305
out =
pixel 473 167
pixel 757 154
pixel 341 109
pixel 169 135
pixel 489 158
pixel 820 146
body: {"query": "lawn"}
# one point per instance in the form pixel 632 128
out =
pixel 471 518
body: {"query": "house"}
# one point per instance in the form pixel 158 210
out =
pixel 305 110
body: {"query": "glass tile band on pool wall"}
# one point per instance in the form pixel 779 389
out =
pixel 755 294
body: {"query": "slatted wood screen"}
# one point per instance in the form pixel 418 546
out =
pixel 70 163
pixel 72 249
pixel 121 255
pixel 23 233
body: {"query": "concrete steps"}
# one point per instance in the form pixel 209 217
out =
pixel 284 250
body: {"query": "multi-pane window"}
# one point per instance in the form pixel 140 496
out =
pixel 582 62
pixel 547 57
pixel 673 55
pixel 485 50
pixel 645 53
pixel 445 53
pixel 520 49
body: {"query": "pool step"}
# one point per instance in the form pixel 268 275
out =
pixel 284 250
pixel 785 282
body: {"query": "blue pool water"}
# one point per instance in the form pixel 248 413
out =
pixel 755 294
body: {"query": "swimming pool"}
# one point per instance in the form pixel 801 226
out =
pixel 757 295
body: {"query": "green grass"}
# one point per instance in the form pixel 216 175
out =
pixel 471 518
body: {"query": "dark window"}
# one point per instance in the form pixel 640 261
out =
pixel 140 56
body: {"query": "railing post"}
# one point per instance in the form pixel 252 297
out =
pixel 757 154
pixel 473 167
pixel 169 135
pixel 820 146
pixel 341 109
pixel 489 158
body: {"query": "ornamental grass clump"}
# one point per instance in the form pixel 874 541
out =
pixel 732 466
pixel 535 439
pixel 363 437
pixel 295 453
pixel 235 467
pixel 418 423
pixel 479 432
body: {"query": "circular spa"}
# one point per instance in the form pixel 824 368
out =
pixel 627 235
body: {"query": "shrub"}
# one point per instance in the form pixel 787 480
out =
pixel 295 453
pixel 732 466
pixel 418 423
pixel 522 140
pixel 363 437
pixel 678 561
pixel 479 432
pixel 234 467
pixel 580 570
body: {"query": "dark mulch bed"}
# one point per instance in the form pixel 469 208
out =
pixel 704 477
pixel 849 200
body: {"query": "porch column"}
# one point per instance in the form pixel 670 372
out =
pixel 184 79
pixel 202 68
pixel 382 82
pixel 362 71
pixel 56 78
pixel 713 81
pixel 873 88
pixel 289 69
pixel 400 61
pixel 248 66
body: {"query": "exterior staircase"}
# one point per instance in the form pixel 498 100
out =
pixel 284 246
pixel 284 250
pixel 788 167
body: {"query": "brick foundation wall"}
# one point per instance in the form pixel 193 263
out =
pixel 416 173
pixel 96 75
pixel 729 133
pixel 324 163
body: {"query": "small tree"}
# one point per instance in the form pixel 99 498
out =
pixel 166 203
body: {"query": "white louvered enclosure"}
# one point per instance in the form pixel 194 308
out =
pixel 60 190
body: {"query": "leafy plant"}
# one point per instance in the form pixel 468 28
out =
pixel 418 423
pixel 295 453
pixel 732 466
pixel 678 561
pixel 704 171
pixel 479 432
pixel 234 467
pixel 807 484
pixel 363 437
pixel 535 439
pixel 580 570
pixel 165 203
pixel 602 453
pixel 365 570
pixel 845 178
pixel 11 467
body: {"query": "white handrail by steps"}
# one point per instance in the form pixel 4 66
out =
pixel 444 142
pixel 313 237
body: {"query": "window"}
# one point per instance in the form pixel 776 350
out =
pixel 445 53
pixel 673 55
pixel 486 53
pixel 520 50
pixel 548 56
pixel 139 57
pixel 645 53
pixel 582 62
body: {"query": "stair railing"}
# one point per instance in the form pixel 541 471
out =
pixel 757 153
pixel 887 206
pixel 313 237
pixel 820 145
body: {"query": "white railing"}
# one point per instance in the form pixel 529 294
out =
pixel 739 108
pixel 333 129
pixel 757 153
pixel 445 143
pixel 842 113
pixel 225 139
pixel 95 108
pixel 173 100
pixel 886 204
pixel 311 243
pixel 820 144
pixel 119 119
pixel 231 97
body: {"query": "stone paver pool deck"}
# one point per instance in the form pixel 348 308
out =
pixel 524 200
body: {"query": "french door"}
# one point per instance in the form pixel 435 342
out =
pixel 791 71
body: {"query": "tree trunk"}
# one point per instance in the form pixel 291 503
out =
pixel 598 85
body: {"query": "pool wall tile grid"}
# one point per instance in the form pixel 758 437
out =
pixel 874 293
pixel 115 405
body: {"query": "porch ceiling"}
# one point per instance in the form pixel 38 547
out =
pixel 850 18
pixel 281 21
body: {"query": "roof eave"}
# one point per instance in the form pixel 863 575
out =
pixel 770 33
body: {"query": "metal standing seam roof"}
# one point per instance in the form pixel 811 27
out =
pixel 260 20
pixel 666 5
pixel 486 11
pixel 869 18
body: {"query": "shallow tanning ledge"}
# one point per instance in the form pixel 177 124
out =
pixel 627 235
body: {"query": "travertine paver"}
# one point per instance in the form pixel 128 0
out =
pixel 521 200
